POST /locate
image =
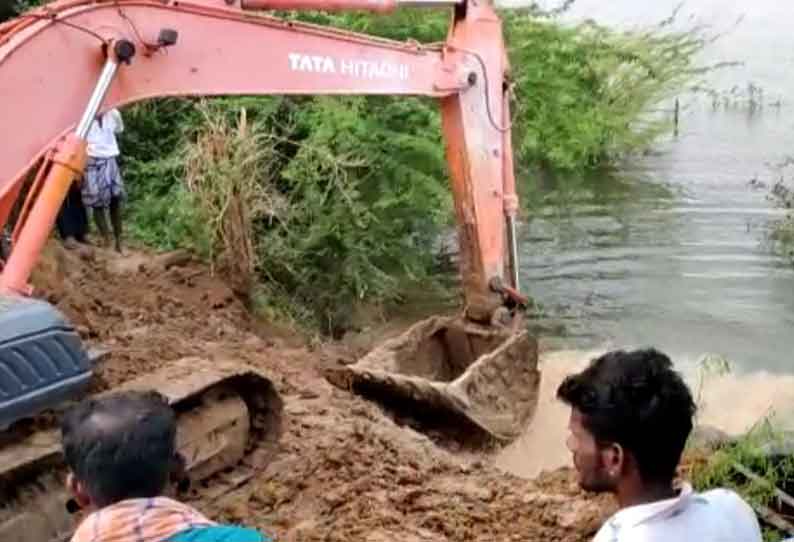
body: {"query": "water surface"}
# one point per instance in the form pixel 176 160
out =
pixel 671 250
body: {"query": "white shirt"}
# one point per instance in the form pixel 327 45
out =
pixel 718 515
pixel 102 139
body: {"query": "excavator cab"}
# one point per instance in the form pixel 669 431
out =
pixel 42 360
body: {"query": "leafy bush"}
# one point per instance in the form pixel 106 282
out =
pixel 585 93
pixel 367 197
pixel 747 467
pixel 325 202
pixel 752 464
pixel 153 169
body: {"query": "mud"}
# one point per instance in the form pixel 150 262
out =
pixel 549 428
pixel 456 374
pixel 344 470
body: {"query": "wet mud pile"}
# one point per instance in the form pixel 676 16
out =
pixel 345 470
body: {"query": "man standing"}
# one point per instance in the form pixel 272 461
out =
pixel 103 187
pixel 72 221
pixel 5 245
pixel 631 415
pixel 121 452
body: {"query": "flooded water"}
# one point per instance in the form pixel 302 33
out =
pixel 732 402
pixel 672 250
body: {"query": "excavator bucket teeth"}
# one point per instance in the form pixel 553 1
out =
pixel 487 375
pixel 228 424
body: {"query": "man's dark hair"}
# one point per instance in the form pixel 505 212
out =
pixel 637 400
pixel 121 446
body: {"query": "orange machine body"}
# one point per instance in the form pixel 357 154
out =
pixel 51 58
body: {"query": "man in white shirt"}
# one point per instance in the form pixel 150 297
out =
pixel 103 187
pixel 631 415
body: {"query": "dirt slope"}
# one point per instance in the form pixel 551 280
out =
pixel 346 471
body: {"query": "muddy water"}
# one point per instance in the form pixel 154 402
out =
pixel 672 250
pixel 750 397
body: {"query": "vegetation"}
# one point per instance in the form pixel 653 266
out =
pixel 781 234
pixel 752 98
pixel 749 467
pixel 343 198
pixel 754 465
pixel 587 94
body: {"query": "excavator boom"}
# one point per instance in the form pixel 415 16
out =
pixel 209 47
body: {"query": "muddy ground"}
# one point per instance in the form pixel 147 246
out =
pixel 345 471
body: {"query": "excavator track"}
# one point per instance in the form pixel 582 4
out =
pixel 229 425
pixel 449 365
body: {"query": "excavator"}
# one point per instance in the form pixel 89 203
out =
pixel 65 62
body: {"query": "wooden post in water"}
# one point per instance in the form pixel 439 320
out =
pixel 675 117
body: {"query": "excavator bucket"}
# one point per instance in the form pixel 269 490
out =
pixel 224 412
pixel 486 375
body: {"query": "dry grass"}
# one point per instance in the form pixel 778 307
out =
pixel 229 170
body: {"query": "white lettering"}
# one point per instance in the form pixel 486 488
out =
pixel 359 69
pixel 306 64
pixel 348 67
pixel 293 61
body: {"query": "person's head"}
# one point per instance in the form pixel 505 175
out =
pixel 631 415
pixel 122 446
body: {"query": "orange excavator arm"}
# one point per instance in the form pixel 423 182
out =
pixel 61 64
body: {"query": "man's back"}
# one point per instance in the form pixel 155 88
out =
pixel 718 515
pixel 121 453
pixel 219 533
